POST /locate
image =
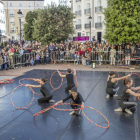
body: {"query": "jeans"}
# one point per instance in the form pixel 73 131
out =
pixel 5 66
pixel 77 58
pixel 37 61
pixel 72 56
pixel 47 60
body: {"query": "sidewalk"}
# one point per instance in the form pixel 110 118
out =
pixel 21 71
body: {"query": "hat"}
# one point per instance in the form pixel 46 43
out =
pixel 74 89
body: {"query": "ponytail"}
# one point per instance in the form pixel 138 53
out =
pixel 43 79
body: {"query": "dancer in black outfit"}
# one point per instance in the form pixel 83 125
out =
pixel 111 90
pixel 76 99
pixel 44 88
pixel 70 79
pixel 124 103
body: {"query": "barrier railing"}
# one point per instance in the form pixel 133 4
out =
pixel 101 57
pixel 65 56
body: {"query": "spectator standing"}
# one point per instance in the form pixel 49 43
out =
pixel 127 55
pixel 112 55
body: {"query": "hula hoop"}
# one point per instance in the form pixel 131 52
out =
pixel 27 83
pixel 51 82
pixel 6 81
pixel 53 107
pixel 25 106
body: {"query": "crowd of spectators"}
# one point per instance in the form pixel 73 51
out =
pixel 14 54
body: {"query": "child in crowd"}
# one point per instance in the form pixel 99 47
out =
pixel 83 60
pixel 1 63
pixel 37 58
pixel 88 60
pixel 32 61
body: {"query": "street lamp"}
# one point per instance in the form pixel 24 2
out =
pixel 90 19
pixel 20 16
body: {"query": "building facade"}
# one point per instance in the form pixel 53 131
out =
pixel 83 9
pixel 12 20
pixel 2 22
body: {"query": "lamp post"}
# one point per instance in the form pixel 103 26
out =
pixel 90 18
pixel 20 16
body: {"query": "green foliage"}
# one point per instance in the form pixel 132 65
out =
pixel 54 23
pixel 28 26
pixel 122 20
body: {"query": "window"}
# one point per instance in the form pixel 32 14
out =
pixel 38 4
pixel 30 5
pixel 20 4
pixel 87 34
pixel 11 4
pixel 79 33
pixel 11 13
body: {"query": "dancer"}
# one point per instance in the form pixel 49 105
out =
pixel 44 88
pixel 124 103
pixel 111 90
pixel 76 99
pixel 70 79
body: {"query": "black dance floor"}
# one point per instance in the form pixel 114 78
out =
pixel 59 125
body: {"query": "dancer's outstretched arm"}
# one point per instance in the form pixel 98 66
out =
pixel 35 86
pixel 61 74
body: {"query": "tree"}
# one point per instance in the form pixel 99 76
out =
pixel 122 20
pixel 54 24
pixel 28 26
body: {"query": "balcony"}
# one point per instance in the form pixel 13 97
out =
pixel 98 9
pixel 87 26
pixel 98 25
pixel 12 23
pixel 87 11
pixel 78 13
pixel 78 0
pixel 12 31
pixel 78 26
pixel 11 15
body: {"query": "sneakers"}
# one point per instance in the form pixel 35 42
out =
pixel 128 111
pixel 72 113
pixel 116 95
pixel 118 109
pixel 107 96
pixel 51 101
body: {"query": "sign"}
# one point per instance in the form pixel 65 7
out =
pixel 81 38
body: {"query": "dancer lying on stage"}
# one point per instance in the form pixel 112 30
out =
pixel 124 103
pixel 76 99
pixel 70 79
pixel 111 90
pixel 44 88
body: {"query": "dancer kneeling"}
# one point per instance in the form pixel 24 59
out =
pixel 70 79
pixel 124 103
pixel 111 90
pixel 44 88
pixel 76 99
